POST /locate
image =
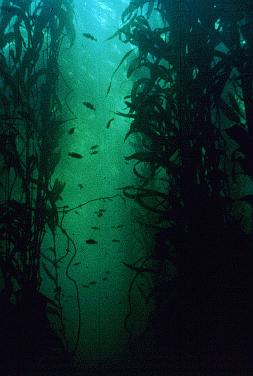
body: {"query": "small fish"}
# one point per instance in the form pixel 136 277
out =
pixel 89 36
pixel 93 283
pixel 115 241
pixel 109 123
pixel 107 272
pixel 80 186
pixel 95 228
pixel 104 279
pixel 94 147
pixel 77 263
pixel 94 152
pixel 76 212
pixel 71 131
pixel 89 105
pixel 75 155
pixel 86 286
pixel 91 241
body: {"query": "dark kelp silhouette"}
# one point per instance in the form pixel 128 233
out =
pixel 196 100
pixel 31 120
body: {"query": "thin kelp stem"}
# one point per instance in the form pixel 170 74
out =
pixel 106 198
pixel 128 315
pixel 70 240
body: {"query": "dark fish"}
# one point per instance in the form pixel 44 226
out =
pixel 91 241
pixel 77 263
pixel 95 228
pixel 89 36
pixel 89 105
pixel 115 241
pixel 94 152
pixel 86 286
pixel 93 283
pixel 71 131
pixel 75 155
pixel 94 147
pixel 104 279
pixel 109 123
pixel 107 272
pixel 76 212
pixel 80 186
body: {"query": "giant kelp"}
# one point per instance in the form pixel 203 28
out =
pixel 31 116
pixel 196 97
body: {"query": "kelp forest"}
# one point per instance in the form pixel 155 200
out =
pixel 126 195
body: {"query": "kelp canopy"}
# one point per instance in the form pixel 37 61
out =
pixel 194 111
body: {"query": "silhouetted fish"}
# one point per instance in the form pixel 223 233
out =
pixel 94 147
pixel 89 105
pixel 75 155
pixel 89 36
pixel 93 283
pixel 91 241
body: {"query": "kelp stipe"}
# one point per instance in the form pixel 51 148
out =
pixel 32 34
pixel 196 97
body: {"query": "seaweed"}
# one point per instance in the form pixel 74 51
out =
pixel 29 134
pixel 196 99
